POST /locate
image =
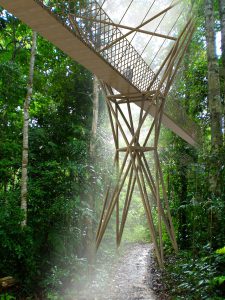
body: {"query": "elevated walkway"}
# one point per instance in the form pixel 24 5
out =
pixel 89 36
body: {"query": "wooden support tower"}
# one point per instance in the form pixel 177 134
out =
pixel 135 169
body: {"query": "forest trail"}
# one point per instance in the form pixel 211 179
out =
pixel 128 279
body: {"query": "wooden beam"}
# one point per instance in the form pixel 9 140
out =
pixel 136 148
pixel 138 27
pixel 134 29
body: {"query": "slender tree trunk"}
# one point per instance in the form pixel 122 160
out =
pixel 183 215
pixel 95 117
pixel 183 170
pixel 222 22
pixel 186 80
pixel 214 99
pixel 91 199
pixel 14 40
pixel 26 117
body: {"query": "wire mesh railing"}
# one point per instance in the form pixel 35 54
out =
pixel 89 22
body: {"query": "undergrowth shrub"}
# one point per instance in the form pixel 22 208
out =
pixel 194 278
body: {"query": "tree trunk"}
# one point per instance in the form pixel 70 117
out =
pixel 95 117
pixel 214 99
pixel 91 197
pixel 26 117
pixel 183 216
pixel 222 22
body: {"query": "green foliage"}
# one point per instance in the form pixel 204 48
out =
pixel 7 297
pixel 198 213
pixel 136 228
pixel 17 245
pixel 218 280
pixel 191 277
pixel 48 253
pixel 221 250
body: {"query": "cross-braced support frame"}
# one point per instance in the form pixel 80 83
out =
pixel 133 169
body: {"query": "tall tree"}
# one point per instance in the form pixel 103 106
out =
pixel 214 99
pixel 26 118
pixel 95 116
pixel 91 197
pixel 222 22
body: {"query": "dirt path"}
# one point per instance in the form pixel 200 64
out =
pixel 127 279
